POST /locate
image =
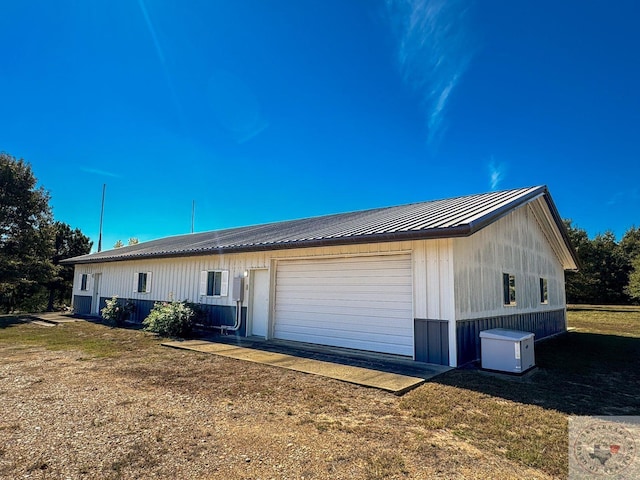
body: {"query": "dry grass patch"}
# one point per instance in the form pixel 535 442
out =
pixel 83 400
pixel 525 433
pixel 86 337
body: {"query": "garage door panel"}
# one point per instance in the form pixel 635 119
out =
pixel 360 302
pixel 337 287
pixel 353 317
pixel 344 281
pixel 337 335
pixel 388 344
pixel 339 325
pixel 399 271
pixel 342 264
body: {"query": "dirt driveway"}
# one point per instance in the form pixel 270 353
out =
pixel 121 406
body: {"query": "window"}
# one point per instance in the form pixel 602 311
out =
pixel 144 282
pixel 214 283
pixel 544 291
pixel 509 288
pixel 84 282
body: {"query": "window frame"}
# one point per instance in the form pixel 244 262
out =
pixel 544 291
pixel 143 282
pixel 509 290
pixel 210 279
pixel 84 282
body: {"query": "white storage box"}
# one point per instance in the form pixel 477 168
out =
pixel 507 350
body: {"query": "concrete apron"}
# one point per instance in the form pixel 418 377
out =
pixel 390 382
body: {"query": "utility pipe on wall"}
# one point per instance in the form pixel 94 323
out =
pixel 236 326
pixel 238 293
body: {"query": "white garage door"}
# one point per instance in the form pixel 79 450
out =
pixel 357 302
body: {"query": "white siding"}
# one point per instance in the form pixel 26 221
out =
pixel 433 285
pixel 179 278
pixel 515 244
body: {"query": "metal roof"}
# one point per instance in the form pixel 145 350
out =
pixel 453 217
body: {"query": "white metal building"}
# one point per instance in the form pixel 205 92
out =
pixel 419 280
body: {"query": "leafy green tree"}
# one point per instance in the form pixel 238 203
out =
pixel 26 236
pixel 68 243
pixel 132 241
pixel 630 243
pixel 633 288
pixel 605 266
pixel 581 286
pixel 611 268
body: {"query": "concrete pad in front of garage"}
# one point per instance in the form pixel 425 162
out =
pixel 52 318
pixel 391 382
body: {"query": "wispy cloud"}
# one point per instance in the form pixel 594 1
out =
pixel 496 173
pixel 95 171
pixel 624 196
pixel 152 32
pixel 434 51
pixel 162 58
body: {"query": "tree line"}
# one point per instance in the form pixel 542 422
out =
pixel 32 244
pixel 609 271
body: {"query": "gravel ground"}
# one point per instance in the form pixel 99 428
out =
pixel 162 413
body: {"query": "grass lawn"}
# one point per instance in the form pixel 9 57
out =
pixel 464 424
pixel 593 370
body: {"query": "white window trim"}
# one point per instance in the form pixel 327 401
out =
pixel 86 283
pixel 224 283
pixel 147 288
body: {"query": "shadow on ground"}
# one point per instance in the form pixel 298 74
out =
pixel 578 374
pixel 12 320
pixel 341 356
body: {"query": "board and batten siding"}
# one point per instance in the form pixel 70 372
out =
pixel 179 278
pixel 515 244
pixel 434 301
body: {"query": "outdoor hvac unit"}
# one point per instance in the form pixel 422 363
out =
pixel 507 350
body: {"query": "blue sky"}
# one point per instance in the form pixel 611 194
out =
pixel 270 110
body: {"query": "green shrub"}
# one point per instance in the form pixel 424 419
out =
pixel 116 312
pixel 170 319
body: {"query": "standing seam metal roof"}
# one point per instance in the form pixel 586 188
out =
pixel 454 217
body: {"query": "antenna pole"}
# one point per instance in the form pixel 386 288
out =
pixel 193 214
pixel 104 187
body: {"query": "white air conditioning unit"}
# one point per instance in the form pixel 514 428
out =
pixel 509 351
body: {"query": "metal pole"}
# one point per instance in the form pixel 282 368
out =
pixel 193 214
pixel 104 186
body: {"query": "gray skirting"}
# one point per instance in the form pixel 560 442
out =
pixel 216 315
pixel 82 304
pixel 431 339
pixel 542 324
